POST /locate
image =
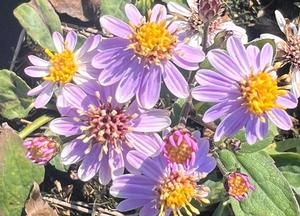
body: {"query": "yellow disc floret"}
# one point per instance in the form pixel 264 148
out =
pixel 176 191
pixel 62 66
pixel 152 41
pixel 261 92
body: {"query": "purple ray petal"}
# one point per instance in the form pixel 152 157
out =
pixel 149 210
pixel 39 88
pixel 38 61
pixel 158 13
pixel 250 129
pixel 238 54
pixel 115 26
pixel 280 118
pixel 151 121
pixel 129 82
pixel 133 14
pixel 104 170
pixel 190 54
pixel 149 144
pixel 58 41
pixel 73 152
pixel 175 81
pixel 45 95
pixel 210 93
pixel 149 89
pixel 85 47
pixel 253 54
pixel 179 61
pixel 219 110
pixel 111 43
pixel 131 204
pixel 289 100
pixel 90 165
pixel 37 71
pixel 231 124
pixel 65 126
pixel 147 166
pixel 224 64
pixel 266 56
pixel 64 107
pixel 74 95
pixel 210 77
pixel 178 9
pixel 71 40
pixel 116 163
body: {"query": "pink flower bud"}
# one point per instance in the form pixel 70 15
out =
pixel 40 149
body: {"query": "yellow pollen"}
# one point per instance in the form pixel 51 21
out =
pixel 176 192
pixel 237 186
pixel 179 154
pixel 261 92
pixel 152 41
pixel 63 66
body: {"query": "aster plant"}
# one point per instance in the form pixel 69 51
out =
pixel 64 65
pixel 105 131
pixel 158 108
pixel 142 53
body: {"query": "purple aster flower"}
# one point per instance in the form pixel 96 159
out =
pixel 183 147
pixel 238 185
pixel 143 53
pixel 65 65
pixel 105 131
pixel 161 187
pixel 244 86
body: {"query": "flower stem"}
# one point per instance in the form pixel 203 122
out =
pixel 191 79
pixel 36 124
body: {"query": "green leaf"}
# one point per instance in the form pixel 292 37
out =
pixel 48 14
pixel 16 173
pixel 182 2
pixel 272 196
pixel 144 5
pixel 261 42
pixel 14 102
pixel 34 25
pixel 289 165
pixel 287 144
pixel 176 110
pixel 260 144
pixel 114 8
pixel 221 210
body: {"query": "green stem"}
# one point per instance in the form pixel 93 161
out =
pixel 220 165
pixel 36 124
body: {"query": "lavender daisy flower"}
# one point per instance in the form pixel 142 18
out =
pixel 191 20
pixel 105 131
pixel 183 147
pixel 142 53
pixel 65 65
pixel 161 188
pixel 244 86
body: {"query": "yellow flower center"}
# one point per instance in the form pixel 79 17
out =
pixel 237 186
pixel 63 66
pixel 261 92
pixel 179 154
pixel 153 41
pixel 177 191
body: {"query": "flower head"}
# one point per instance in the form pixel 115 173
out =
pixel 238 185
pixel 246 90
pixel 142 53
pixel 185 148
pixel 105 130
pixel 64 65
pixel 191 21
pixel 289 49
pixel 161 187
pixel 41 149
